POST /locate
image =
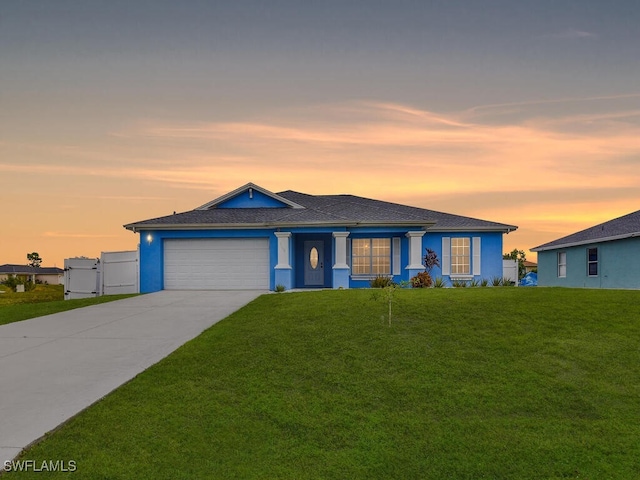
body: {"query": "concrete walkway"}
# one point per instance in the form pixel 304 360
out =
pixel 53 367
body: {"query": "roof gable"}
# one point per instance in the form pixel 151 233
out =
pixel 249 196
pixel 622 227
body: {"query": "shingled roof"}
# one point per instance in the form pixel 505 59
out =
pixel 338 210
pixel 626 226
pixel 28 270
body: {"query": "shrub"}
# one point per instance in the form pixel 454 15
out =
pixel 507 283
pixel 280 288
pixel 484 282
pixel 381 282
pixel 421 280
pixel 474 283
pixel 439 282
pixel 496 281
pixel 459 283
pixel 13 281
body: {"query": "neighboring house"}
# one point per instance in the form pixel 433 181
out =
pixel 529 266
pixel 50 275
pixel 252 238
pixel 604 256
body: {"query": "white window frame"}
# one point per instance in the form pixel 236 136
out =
pixel 460 256
pixel 562 264
pixel 474 257
pixel 592 262
pixel 371 257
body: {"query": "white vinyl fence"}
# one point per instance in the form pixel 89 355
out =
pixel 510 270
pixel 119 272
pixel 113 273
pixel 81 277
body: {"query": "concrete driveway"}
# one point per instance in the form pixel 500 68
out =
pixel 53 367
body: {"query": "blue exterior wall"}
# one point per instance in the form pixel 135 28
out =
pixel 490 252
pixel 152 252
pixel 618 266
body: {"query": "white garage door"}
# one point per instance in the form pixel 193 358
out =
pixel 216 264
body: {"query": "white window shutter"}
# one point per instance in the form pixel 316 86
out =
pixel 446 255
pixel 476 256
pixel 396 256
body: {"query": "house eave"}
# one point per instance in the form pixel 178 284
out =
pixel 543 248
pixel 222 226
pixel 504 229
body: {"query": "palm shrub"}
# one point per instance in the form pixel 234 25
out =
pixel 381 282
pixel 439 282
pixel 431 260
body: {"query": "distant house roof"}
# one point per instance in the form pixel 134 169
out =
pixel 300 209
pixel 27 270
pixel 626 226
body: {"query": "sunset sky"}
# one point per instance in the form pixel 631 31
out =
pixel 521 112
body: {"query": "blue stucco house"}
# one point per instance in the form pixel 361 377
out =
pixel 252 238
pixel 604 256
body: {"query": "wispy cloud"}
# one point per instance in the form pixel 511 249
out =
pixel 577 157
pixel 498 108
pixel 76 235
pixel 556 141
pixel 570 34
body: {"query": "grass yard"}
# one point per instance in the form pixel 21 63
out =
pixel 41 293
pixel 43 300
pixel 495 383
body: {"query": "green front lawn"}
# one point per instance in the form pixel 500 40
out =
pixel 497 383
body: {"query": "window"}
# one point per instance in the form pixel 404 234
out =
pixel 592 262
pixel 313 258
pixel 562 264
pixel 460 256
pixel 371 256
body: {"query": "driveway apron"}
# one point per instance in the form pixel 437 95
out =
pixel 55 366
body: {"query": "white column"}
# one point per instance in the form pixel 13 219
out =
pixel 283 249
pixel 415 250
pixel 341 249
